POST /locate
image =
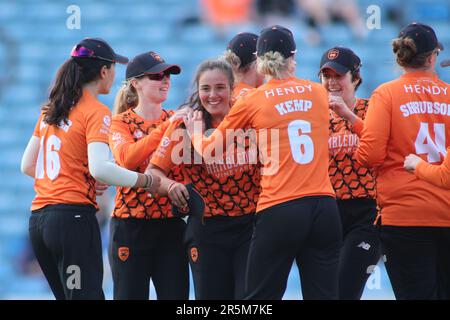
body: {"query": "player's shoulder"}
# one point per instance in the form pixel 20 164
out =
pixel 362 102
pixel 361 105
pixel 167 113
pixel 123 116
pixel 390 85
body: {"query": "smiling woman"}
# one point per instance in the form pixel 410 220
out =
pixel 218 237
pixel 354 185
pixel 141 221
pixel 214 94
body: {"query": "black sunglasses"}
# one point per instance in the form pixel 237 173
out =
pixel 157 76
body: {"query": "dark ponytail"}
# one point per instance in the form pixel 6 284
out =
pixel 68 87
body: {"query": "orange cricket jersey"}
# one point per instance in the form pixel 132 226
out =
pixel 133 141
pixel 62 170
pixel 350 180
pixel 437 175
pixel 291 120
pixel 408 115
pixel 227 189
pixel 240 89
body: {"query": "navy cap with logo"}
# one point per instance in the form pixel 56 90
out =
pixel 423 36
pixel 277 39
pixel 244 46
pixel 96 48
pixel 340 59
pixel 149 63
pixel 196 204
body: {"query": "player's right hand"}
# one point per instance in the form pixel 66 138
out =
pixel 338 105
pixel 178 194
pixel 179 114
pixel 411 162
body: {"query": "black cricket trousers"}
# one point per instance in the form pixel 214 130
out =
pixel 144 249
pixel 417 261
pixel 361 249
pixel 218 251
pixel 307 230
pixel 67 244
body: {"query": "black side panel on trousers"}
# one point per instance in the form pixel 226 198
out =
pixel 417 261
pixel 66 242
pixel 307 230
pixel 218 250
pixel 361 247
pixel 140 250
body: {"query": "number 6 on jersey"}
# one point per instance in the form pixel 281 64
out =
pixel 52 163
pixel 302 146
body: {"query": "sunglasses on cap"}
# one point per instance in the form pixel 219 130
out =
pixel 83 52
pixel 156 76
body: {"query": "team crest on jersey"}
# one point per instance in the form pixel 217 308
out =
pixel 194 254
pixel 124 253
pixel 138 134
pixel 107 120
pixel 117 139
pixel 116 136
pixel 333 54
pixel 165 142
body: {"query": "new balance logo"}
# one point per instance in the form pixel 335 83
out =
pixel 364 245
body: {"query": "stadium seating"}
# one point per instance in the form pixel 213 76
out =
pixel 43 42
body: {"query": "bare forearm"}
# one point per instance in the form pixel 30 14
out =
pixel 165 181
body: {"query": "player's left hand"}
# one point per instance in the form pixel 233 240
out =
pixel 194 122
pixel 411 162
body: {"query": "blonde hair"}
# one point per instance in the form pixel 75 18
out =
pixel 406 53
pixel 273 64
pixel 235 62
pixel 126 98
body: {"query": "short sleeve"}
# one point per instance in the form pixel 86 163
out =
pixel 98 123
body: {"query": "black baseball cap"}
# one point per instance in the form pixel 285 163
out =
pixel 423 36
pixel 244 46
pixel 340 59
pixel 149 63
pixel 196 204
pixel 96 48
pixel 278 39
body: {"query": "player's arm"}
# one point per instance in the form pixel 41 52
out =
pixel 438 175
pixel 100 167
pixel 372 148
pixel 106 171
pixel 129 153
pixel 239 117
pixel 338 105
pixel 160 165
pixel 29 158
pixel 31 153
pixel 176 191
